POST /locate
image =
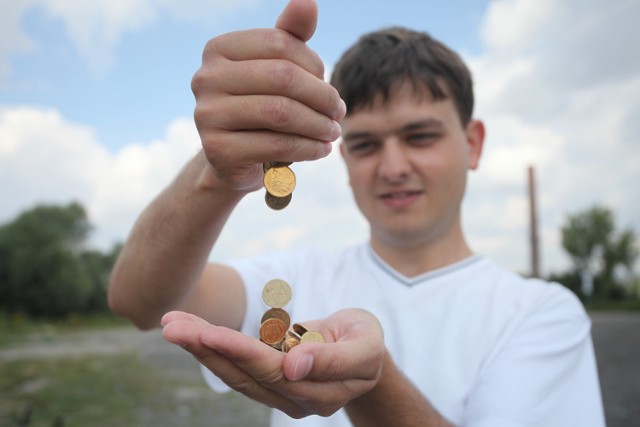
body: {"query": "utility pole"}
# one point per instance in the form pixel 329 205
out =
pixel 533 218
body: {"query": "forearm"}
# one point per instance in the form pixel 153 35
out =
pixel 169 245
pixel 394 401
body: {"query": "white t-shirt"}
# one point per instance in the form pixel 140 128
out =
pixel 487 347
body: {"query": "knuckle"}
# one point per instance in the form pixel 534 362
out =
pixel 197 82
pixel 278 43
pixel 245 387
pixel 278 112
pixel 210 48
pixel 331 368
pixel 284 75
pixel 328 410
pixel 284 145
pixel 297 413
pixel 318 69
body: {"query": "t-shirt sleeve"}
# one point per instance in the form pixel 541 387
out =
pixel 545 373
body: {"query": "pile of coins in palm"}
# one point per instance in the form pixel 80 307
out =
pixel 279 181
pixel 274 326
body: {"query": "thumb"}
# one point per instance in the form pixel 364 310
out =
pixel 299 18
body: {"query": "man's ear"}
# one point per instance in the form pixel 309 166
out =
pixel 475 142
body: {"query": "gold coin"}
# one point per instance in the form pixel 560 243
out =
pixel 311 336
pixel 272 331
pixel 277 203
pixel 277 313
pixel 280 181
pixel 289 342
pixel 276 293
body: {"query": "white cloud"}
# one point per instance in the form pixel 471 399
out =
pixel 44 158
pixel 95 27
pixel 559 88
pixel 558 84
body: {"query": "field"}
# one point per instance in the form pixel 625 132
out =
pixel 96 373
pixel 115 376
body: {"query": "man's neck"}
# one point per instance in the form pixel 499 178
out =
pixel 414 258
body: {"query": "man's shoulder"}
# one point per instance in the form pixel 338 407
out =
pixel 530 293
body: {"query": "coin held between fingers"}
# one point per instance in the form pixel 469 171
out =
pixel 280 181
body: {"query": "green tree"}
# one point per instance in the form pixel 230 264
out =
pixel 45 269
pixel 597 248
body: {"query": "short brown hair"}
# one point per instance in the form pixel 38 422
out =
pixel 383 59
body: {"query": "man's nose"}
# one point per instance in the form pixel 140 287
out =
pixel 394 164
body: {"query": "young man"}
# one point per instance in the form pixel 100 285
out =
pixel 420 331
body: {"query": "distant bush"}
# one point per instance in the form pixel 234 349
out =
pixel 45 268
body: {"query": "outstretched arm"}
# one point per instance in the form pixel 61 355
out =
pixel 260 97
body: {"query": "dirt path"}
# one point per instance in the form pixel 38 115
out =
pixel 616 338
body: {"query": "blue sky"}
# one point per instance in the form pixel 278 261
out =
pixel 144 81
pixel 96 106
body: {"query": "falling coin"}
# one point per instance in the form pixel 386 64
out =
pixel 276 293
pixel 277 203
pixel 279 181
pixel 272 331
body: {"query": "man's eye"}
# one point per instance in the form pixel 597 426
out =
pixel 362 147
pixel 422 138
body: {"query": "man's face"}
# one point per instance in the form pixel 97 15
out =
pixel 407 161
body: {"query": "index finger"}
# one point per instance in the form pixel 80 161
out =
pixel 266 43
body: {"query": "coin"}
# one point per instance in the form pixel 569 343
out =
pixel 277 203
pixel 272 331
pixel 311 336
pixel 279 181
pixel 268 165
pixel 299 329
pixel 289 342
pixel 276 293
pixel 277 313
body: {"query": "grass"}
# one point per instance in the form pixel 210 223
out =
pixel 135 386
pixel 613 305
pixel 16 328
pixel 72 392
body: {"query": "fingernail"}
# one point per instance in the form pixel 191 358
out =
pixel 303 367
pixel 342 110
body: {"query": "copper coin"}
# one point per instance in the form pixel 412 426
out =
pixel 277 313
pixel 272 331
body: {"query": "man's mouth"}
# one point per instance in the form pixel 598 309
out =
pixel 397 195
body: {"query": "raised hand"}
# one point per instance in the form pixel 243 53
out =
pixel 261 96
